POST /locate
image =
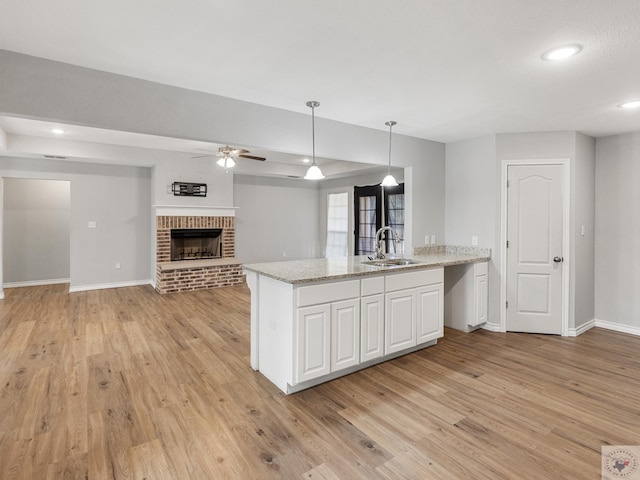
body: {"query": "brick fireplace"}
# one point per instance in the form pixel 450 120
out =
pixel 196 274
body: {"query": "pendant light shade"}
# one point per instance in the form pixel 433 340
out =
pixel 314 172
pixel 389 180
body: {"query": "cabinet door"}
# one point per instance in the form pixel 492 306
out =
pixel 481 297
pixel 372 327
pixel 313 342
pixel 345 334
pixel 430 319
pixel 400 320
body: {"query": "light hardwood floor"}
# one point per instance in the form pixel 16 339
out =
pixel 129 384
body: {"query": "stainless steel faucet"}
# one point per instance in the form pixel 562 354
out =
pixel 378 246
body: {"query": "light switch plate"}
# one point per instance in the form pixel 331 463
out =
pixel 433 239
pixel 92 225
pixel 474 240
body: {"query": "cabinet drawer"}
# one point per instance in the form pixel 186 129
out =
pixel 481 268
pixel 328 292
pixel 372 285
pixel 402 281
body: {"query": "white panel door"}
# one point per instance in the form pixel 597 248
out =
pixel 345 334
pixel 430 313
pixel 534 253
pixel 372 327
pixel 313 342
pixel 400 320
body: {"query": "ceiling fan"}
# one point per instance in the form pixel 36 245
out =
pixel 227 153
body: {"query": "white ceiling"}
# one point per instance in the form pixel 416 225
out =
pixel 444 70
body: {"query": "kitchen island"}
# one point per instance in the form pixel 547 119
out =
pixel 316 320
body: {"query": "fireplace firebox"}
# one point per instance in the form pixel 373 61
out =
pixel 196 244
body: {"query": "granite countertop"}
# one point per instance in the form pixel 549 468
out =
pixel 320 269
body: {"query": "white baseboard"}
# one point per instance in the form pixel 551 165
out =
pixel 618 327
pixel 36 283
pixel 492 327
pixel 102 286
pixel 1 295
pixel 574 332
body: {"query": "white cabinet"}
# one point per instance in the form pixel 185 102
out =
pixel 430 314
pixel 480 293
pixel 372 318
pixel 400 320
pixel 327 329
pixel 414 309
pixel 371 327
pixel 313 342
pixel 345 334
pixel 466 296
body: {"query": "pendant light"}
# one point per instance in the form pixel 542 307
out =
pixel 314 172
pixel 389 180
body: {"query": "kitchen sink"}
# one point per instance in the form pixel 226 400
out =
pixel 391 262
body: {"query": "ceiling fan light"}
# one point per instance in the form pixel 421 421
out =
pixel 314 173
pixel 226 162
pixel 389 181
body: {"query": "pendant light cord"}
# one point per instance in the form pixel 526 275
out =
pixel 389 167
pixel 313 134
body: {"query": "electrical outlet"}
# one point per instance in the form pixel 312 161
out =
pixel 92 225
pixel 284 254
pixel 426 239
pixel 117 265
pixel 433 239
pixel 474 240
pixel 582 230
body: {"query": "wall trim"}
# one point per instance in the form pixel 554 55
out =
pixel 492 327
pixel 618 327
pixel 36 283
pixel 574 332
pixel 102 286
pixel 1 295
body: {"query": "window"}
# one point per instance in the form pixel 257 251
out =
pixel 368 218
pixel 394 213
pixel 376 206
pixel 337 224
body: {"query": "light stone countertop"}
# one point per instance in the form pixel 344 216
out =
pixel 321 269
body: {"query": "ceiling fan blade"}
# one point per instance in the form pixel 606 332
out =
pixel 252 157
pixel 203 156
pixel 205 150
pixel 239 151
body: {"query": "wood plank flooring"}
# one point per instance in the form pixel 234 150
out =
pixel 129 384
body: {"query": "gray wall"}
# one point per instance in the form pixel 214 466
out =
pixel 473 171
pixel 88 97
pixel 117 198
pixel 583 214
pixel 276 216
pixel 36 217
pixel 617 269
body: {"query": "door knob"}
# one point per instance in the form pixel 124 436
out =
pixel 558 259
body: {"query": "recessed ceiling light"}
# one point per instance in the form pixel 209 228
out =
pixel 57 131
pixel 631 104
pixel 306 160
pixel 562 52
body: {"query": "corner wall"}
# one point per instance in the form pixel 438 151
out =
pixel 617 223
pixel 117 198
